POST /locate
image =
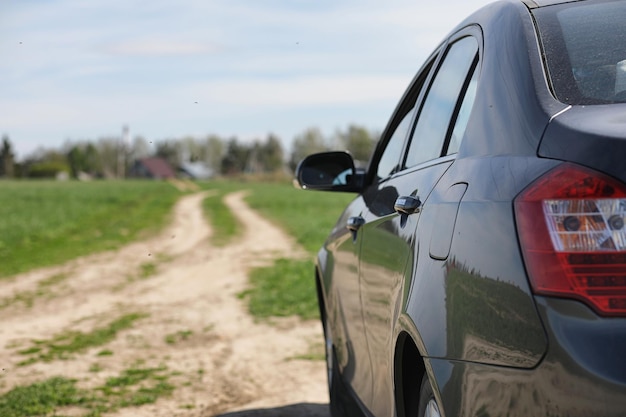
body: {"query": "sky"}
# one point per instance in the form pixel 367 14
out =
pixel 74 70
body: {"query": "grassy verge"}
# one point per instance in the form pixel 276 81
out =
pixel 281 290
pixel 223 222
pixel 27 298
pixel 46 222
pixel 64 345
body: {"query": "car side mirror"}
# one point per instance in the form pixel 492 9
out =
pixel 328 171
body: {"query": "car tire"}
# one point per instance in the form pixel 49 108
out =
pixel 331 370
pixel 330 354
pixel 339 406
pixel 428 406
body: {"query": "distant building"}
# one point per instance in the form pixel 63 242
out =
pixel 195 171
pixel 154 168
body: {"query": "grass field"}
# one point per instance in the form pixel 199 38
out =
pixel 47 222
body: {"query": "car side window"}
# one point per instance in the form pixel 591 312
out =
pixel 391 156
pixel 464 113
pixel 435 118
pixel 390 159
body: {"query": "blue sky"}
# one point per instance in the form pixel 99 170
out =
pixel 82 69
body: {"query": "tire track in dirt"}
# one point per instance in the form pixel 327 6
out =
pixel 226 362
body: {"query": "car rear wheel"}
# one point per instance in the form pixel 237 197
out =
pixel 428 406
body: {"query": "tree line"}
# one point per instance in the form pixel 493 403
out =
pixel 112 157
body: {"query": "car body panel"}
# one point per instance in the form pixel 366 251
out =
pixel 387 247
pixel 577 134
pixel 574 379
pixel 475 268
pixel 344 302
pixel 508 118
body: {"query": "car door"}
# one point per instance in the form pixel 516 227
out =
pixel 394 203
pixel 352 348
pixel 345 303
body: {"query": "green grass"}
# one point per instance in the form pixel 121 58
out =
pixel 53 280
pixel 41 398
pixel 179 336
pixel 65 344
pixel 224 224
pixel 47 222
pixel 27 298
pixel 287 288
pixel 133 387
pixel 147 270
pixel 96 367
pixel 119 387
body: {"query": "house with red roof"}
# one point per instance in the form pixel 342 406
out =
pixel 153 168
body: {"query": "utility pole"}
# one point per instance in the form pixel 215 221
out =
pixel 121 152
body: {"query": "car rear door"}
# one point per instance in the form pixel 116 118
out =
pixel 394 204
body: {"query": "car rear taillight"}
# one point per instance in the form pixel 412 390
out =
pixel 571 227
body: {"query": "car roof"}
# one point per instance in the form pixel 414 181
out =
pixel 533 4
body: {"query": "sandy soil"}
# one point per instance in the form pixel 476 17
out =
pixel 228 363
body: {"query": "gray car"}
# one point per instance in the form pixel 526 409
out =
pixel 481 268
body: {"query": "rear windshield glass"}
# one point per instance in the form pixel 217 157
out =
pixel 585 50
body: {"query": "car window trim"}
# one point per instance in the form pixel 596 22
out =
pixel 422 78
pixel 423 165
pixel 474 31
pixel 459 103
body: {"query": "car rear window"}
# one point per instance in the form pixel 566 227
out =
pixel 584 45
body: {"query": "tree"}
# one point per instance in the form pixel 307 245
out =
pixel 46 163
pixel 7 158
pixel 214 152
pixel 140 148
pixel 358 141
pixel 190 149
pixel 108 150
pixel 76 160
pixel 308 142
pixel 170 151
pixel 236 157
pixel 83 158
pixel 271 154
pixel 253 163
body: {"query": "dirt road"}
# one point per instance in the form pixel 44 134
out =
pixel 192 323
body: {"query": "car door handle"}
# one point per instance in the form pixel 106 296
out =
pixel 355 223
pixel 407 204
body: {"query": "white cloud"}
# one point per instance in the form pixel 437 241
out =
pixel 160 47
pixel 301 91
